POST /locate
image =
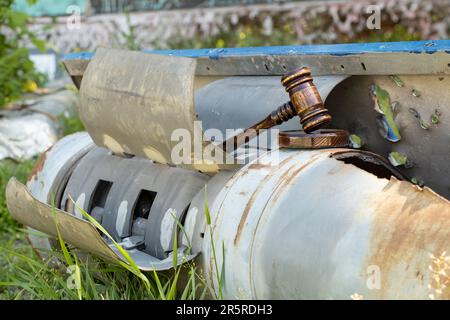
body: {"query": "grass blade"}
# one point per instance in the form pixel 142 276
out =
pixel 207 214
pixel 61 240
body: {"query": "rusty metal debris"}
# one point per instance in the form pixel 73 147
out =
pixel 324 138
pixel 340 207
pixel 351 202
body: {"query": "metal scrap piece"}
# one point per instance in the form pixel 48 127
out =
pixel 76 231
pixel 133 102
pixel 428 148
pixel 38 215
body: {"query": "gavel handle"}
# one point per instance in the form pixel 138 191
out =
pixel 282 114
pixel 236 141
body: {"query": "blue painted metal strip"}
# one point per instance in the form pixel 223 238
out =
pixel 430 46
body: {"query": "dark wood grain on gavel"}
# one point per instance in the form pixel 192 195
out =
pixel 305 102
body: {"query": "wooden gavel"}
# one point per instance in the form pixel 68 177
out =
pixel 305 102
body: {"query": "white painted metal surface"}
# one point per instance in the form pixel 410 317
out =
pixel 52 172
pixel 313 227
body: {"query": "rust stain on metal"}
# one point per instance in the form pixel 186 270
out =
pixel 248 207
pixel 409 224
pixel 286 177
pixel 254 195
pixel 39 165
pixel 258 166
pixel 283 181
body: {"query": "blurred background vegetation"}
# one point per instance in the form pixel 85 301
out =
pixel 17 71
pixel 46 26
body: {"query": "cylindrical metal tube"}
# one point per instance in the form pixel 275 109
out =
pixel 315 227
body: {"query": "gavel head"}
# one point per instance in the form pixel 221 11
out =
pixel 305 98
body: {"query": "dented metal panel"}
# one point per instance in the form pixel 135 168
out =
pixel 409 57
pixel 40 216
pixel 78 232
pixel 328 64
pixel 422 121
pixel 132 102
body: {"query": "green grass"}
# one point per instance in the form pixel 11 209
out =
pixel 24 276
pixel 71 274
pixel 70 125
pixel 8 169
